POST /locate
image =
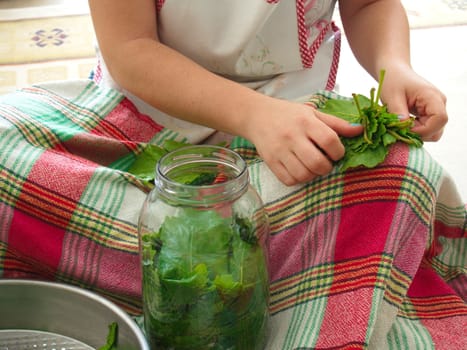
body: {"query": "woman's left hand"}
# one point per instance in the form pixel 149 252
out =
pixel 406 93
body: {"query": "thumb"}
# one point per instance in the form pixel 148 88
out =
pixel 340 126
pixel 398 105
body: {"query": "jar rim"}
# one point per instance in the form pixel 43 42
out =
pixel 196 152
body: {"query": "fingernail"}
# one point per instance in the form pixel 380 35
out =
pixel 355 124
pixel 401 117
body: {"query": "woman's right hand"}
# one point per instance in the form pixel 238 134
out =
pixel 297 142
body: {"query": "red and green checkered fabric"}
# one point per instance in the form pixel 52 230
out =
pixel 373 258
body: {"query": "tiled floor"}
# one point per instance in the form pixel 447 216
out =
pixel 440 55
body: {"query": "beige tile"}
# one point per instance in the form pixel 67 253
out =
pixel 38 75
pixel 26 74
pixel 46 39
pixel 8 78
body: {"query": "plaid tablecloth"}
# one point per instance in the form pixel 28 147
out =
pixel 373 258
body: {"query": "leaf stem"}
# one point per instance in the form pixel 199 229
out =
pixel 401 138
pixel 363 118
pixel 382 73
pixel 401 124
pixel 372 97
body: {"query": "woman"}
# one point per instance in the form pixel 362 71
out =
pixel 366 259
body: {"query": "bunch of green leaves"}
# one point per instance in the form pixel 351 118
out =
pixel 380 128
pixel 205 283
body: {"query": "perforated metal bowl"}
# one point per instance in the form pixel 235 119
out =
pixel 52 316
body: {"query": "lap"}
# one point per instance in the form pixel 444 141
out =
pixel 366 241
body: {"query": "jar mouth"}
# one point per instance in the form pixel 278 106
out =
pixel 184 172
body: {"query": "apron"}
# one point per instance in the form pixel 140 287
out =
pixel 283 49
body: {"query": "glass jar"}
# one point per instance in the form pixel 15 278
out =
pixel 203 241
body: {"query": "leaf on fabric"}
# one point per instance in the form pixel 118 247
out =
pixel 144 165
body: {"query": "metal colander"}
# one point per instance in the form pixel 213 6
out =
pixel 37 315
pixel 35 340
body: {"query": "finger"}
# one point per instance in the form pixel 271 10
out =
pixel 398 105
pixel 324 135
pixel 431 114
pixel 436 136
pixel 430 127
pixel 324 138
pixel 292 173
pixel 281 170
pixel 298 170
pixel 340 126
pixel 326 143
pixel 282 174
pixel 313 159
pixel 433 137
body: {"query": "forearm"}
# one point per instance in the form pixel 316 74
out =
pixel 378 33
pixel 166 79
pixel 177 86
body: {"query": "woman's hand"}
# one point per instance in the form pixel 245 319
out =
pixel 378 33
pixel 298 142
pixel 405 93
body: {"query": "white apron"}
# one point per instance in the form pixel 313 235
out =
pixel 284 49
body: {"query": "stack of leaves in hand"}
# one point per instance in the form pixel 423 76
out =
pixel 380 128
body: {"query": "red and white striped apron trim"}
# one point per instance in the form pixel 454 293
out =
pixel 335 58
pixel 159 4
pixel 308 53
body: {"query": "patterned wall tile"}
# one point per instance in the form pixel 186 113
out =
pixel 35 40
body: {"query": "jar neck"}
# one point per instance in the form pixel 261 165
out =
pixel 201 175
